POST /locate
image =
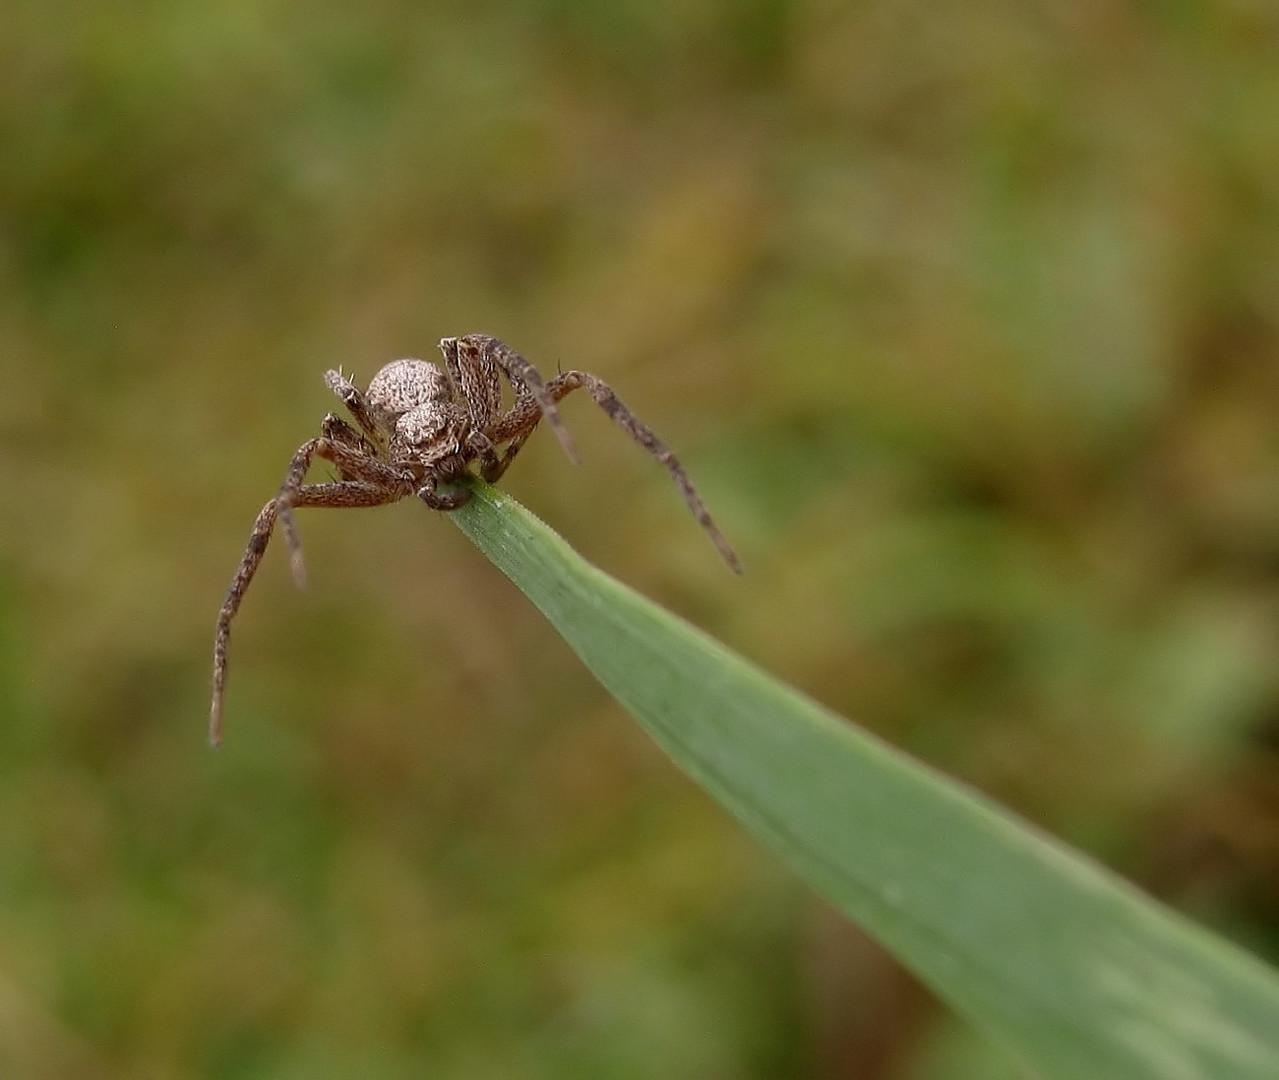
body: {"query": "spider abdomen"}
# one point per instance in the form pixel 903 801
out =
pixel 408 384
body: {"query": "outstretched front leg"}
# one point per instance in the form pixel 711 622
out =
pixel 339 493
pixel 519 421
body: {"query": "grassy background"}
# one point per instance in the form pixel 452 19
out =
pixel 966 319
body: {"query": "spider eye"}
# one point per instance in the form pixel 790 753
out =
pixel 405 384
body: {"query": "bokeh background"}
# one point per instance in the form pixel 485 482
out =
pixel 965 317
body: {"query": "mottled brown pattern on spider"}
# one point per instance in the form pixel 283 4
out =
pixel 418 430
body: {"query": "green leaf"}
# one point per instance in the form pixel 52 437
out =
pixel 1074 971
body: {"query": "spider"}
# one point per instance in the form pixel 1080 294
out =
pixel 417 430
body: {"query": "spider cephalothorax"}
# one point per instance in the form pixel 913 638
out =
pixel 418 429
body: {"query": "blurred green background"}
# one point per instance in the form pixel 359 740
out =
pixel 965 318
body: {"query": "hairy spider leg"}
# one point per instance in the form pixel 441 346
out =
pixel 525 380
pixel 338 430
pixel 476 380
pixel 352 464
pixel 338 493
pixel 486 452
pixel 356 404
pixel 519 421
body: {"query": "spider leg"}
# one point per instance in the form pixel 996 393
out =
pixel 253 552
pixel 482 447
pixel 339 493
pixel 475 378
pixel 352 463
pixel 356 403
pixel 485 350
pixel 337 430
pixel 520 420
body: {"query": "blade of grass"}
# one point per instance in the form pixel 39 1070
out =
pixel 1074 971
